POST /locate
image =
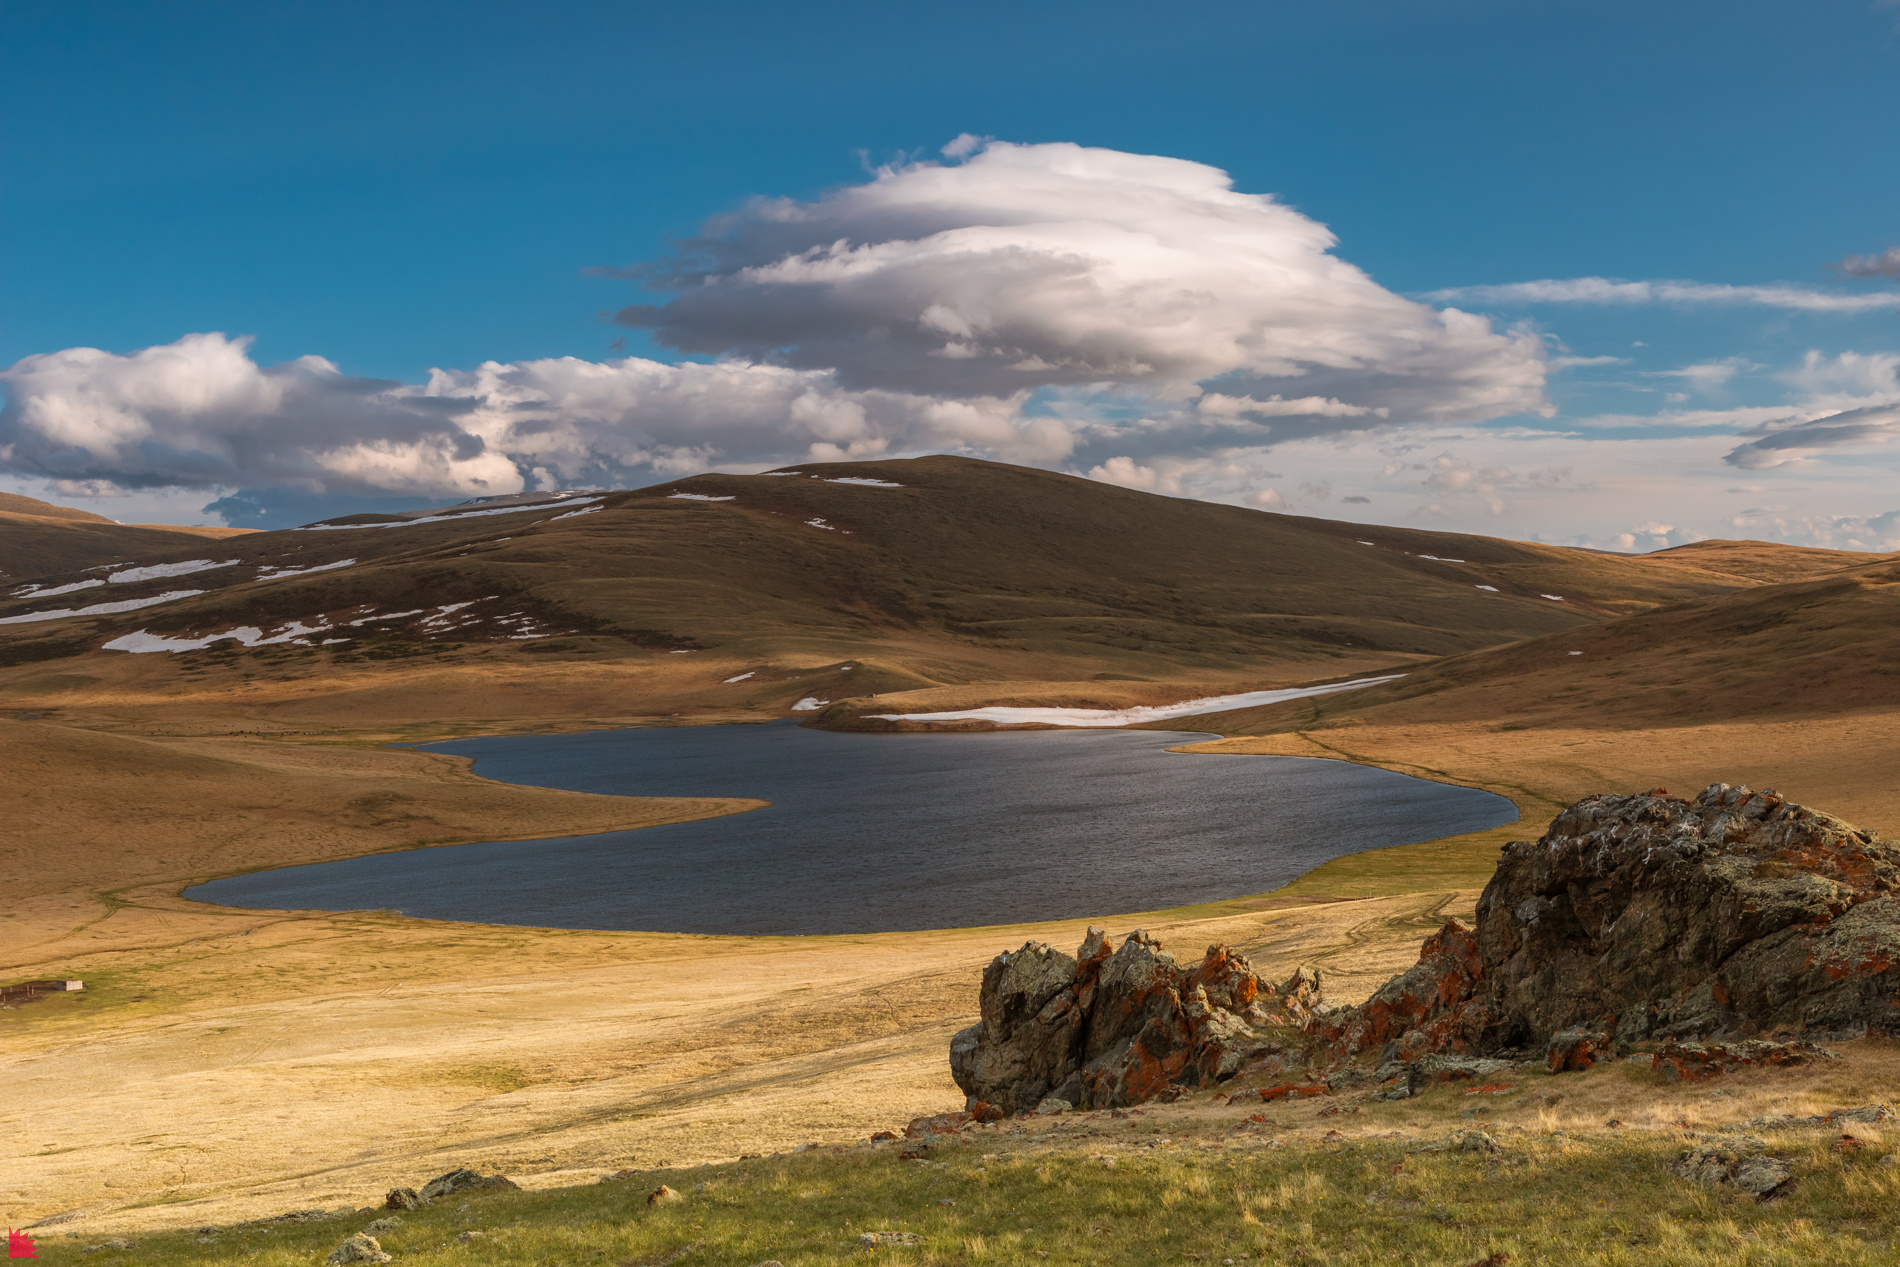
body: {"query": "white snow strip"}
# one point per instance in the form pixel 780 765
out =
pixel 809 704
pixel 691 497
pixel 156 570
pixel 819 523
pixel 1555 598
pixel 683 651
pixel 1363 543
pixel 524 637
pixel 1492 588
pixel 742 677
pixel 585 510
pixel 784 474
pixel 391 616
pixel 1131 716
pixel 445 517
pixel 281 574
pixel 99 609
pixel 1576 653
pixel 1435 559
pixel 25 590
pixel 867 483
pixel 142 643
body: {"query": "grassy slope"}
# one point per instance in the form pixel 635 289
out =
pixel 970 573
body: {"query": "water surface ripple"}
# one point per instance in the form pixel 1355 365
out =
pixel 874 833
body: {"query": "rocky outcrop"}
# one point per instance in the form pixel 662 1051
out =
pixel 1103 1028
pixel 1653 917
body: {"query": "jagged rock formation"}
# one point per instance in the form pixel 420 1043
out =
pixel 1105 1029
pixel 1650 917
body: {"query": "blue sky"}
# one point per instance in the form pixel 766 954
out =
pixel 405 188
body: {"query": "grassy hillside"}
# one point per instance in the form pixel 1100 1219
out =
pixel 916 574
pixel 39 538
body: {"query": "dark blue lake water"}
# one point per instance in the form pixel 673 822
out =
pixel 874 833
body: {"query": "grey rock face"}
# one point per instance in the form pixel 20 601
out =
pixel 361 1248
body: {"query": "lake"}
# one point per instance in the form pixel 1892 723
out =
pixel 877 833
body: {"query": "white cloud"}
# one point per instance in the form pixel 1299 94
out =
pixel 1603 290
pixel 1027 266
pixel 1880 264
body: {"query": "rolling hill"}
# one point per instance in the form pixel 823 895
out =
pixel 39 538
pixel 745 593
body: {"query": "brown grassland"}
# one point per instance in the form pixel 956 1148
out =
pixel 225 1065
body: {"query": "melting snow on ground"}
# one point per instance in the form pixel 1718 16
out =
pixel 25 590
pixel 867 483
pixel 1132 716
pixel 1435 559
pixel 695 497
pixel 142 643
pixel 1555 598
pixel 279 574
pixel 742 677
pixel 99 609
pixel 1576 653
pixel 152 572
pixel 1492 588
pixel 448 517
pixel 585 510
pixel 1363 543
pixel 819 523
pixel 810 704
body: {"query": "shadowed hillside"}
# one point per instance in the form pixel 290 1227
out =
pixel 38 538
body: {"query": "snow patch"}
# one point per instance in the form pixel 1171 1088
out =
pixel 585 510
pixel 1492 588
pixel 820 523
pixel 99 609
pixel 1435 559
pixel 281 574
pixel 861 480
pixel 1131 716
pixel 142 643
pixel 25 590
pixel 391 616
pixel 1555 598
pixel 445 517
pixel 742 677
pixel 1363 543
pixel 691 497
pixel 809 704
pixel 155 570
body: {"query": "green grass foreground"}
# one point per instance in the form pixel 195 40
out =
pixel 1125 1194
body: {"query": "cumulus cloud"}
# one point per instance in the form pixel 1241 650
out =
pixel 1882 264
pixel 1032 266
pixel 1603 290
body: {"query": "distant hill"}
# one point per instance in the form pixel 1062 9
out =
pixel 38 538
pixel 928 572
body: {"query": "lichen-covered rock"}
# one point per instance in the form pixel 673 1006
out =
pixel 1575 1050
pixel 403 1199
pixel 361 1248
pixel 1742 1161
pixel 1104 1029
pixel 1649 917
pixel 1692 1062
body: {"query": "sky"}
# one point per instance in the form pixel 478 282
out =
pixel 1620 275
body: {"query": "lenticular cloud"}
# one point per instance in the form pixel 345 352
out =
pixel 1030 266
pixel 1036 303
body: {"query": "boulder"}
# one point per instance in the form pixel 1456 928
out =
pixel 361 1248
pixel 1575 1050
pixel 464 1180
pixel 662 1195
pixel 1741 1161
pixel 1692 1062
pixel 1102 1029
pixel 403 1199
pixel 1649 917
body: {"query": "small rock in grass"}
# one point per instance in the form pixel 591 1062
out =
pixel 403 1199
pixel 361 1248
pixel 471 1236
pixel 661 1195
pixel 383 1225
pixel 889 1238
pixel 115 1243
pixel 1051 1105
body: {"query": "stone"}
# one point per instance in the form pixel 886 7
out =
pixel 383 1225
pixel 361 1248
pixel 1103 1029
pixel 465 1180
pixel 1692 1062
pixel 403 1199
pixel 936 1124
pixel 1741 1161
pixel 114 1243
pixel 1050 1106
pixel 1650 917
pixel 662 1195
pixel 1575 1050
pixel 874 1239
